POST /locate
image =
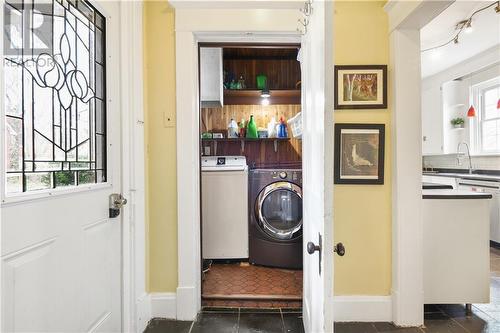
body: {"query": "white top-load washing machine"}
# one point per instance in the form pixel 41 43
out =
pixel 224 218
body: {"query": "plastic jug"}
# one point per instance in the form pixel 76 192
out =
pixel 271 128
pixel 232 129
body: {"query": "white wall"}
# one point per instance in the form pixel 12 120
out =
pixel 482 67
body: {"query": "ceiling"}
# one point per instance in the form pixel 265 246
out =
pixel 485 34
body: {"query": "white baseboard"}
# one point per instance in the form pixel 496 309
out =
pixel 346 308
pixel 362 308
pixel 163 305
pixel 143 309
pixel 188 303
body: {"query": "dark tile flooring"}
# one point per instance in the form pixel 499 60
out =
pixel 234 320
pixel 485 318
pixel 438 319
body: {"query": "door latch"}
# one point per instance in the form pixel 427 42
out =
pixel 116 202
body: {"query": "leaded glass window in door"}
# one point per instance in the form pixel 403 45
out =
pixel 54 94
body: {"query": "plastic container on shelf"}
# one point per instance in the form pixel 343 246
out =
pixel 295 124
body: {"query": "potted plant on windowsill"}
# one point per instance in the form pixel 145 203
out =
pixel 458 122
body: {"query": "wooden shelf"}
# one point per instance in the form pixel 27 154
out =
pixel 252 97
pixel 243 140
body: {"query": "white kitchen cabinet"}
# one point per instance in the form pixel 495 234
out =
pixel 440 104
pixel 432 121
pixel 455 104
pixel 211 77
pixel 456 252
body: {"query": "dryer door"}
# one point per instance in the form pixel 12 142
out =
pixel 279 210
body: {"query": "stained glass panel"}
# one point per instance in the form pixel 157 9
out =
pixel 54 93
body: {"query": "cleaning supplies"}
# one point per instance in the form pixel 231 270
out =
pixel 282 132
pixel 271 128
pixel 232 129
pixel 252 129
pixel 243 129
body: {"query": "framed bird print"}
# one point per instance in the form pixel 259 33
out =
pixel 359 153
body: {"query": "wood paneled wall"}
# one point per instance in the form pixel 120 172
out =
pixel 258 153
pixel 217 119
pixel 281 74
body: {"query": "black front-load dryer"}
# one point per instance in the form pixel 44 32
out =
pixel 275 221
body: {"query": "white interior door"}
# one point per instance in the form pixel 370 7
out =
pixel 60 250
pixel 317 145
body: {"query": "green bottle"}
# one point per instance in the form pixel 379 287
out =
pixel 251 129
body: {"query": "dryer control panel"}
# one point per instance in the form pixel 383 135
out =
pixel 290 175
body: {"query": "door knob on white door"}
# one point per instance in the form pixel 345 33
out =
pixel 116 202
pixel 311 248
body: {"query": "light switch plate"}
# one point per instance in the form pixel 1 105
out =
pixel 168 119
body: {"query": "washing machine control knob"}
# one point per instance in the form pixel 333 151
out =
pixel 283 174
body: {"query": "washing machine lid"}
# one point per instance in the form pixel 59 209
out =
pixel 223 163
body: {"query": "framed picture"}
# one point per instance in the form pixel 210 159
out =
pixel 359 153
pixel 361 87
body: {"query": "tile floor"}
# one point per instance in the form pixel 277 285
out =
pixel 244 285
pixel 438 318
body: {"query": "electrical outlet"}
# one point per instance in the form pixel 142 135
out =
pixel 168 119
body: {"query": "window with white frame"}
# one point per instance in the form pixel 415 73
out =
pixel 485 133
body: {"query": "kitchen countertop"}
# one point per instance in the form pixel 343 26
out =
pixel 454 194
pixel 484 177
pixel 436 186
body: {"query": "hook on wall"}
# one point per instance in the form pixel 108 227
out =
pixel 306 12
pixel 304 22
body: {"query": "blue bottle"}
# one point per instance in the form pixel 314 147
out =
pixel 282 132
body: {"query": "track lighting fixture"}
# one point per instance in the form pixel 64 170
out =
pixel 465 25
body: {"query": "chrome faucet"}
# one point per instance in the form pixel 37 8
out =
pixel 468 155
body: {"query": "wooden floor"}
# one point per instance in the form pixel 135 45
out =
pixel 244 285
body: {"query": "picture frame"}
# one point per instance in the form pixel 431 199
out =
pixel 359 153
pixel 360 87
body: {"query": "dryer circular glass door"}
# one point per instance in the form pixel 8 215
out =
pixel 279 210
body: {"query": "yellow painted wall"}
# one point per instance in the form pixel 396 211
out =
pixel 362 213
pixel 159 94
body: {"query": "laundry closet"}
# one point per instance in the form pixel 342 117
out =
pixel 251 175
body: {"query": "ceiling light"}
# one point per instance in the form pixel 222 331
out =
pixel 464 25
pixel 471 112
pixel 468 26
pixel 265 93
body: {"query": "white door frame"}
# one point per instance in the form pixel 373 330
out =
pixel 135 301
pixel 406 18
pixel 268 22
